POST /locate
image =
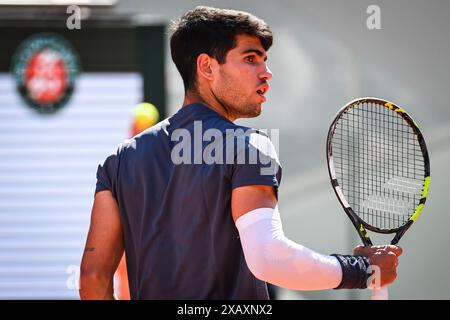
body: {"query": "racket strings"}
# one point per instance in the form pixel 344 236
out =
pixel 379 164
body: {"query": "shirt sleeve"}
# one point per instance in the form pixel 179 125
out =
pixel 256 162
pixel 107 173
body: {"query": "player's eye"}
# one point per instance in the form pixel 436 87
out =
pixel 250 59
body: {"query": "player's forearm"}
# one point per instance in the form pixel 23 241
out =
pixel 296 267
pixel 274 258
pixel 96 286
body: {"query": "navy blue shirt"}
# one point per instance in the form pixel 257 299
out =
pixel 173 190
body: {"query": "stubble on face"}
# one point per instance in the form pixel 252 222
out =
pixel 231 96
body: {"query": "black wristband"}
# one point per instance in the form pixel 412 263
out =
pixel 354 271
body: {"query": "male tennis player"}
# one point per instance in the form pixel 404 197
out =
pixel 193 228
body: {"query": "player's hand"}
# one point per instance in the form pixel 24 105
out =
pixel 385 257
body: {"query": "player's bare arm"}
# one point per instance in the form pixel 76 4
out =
pixel 104 249
pixel 248 198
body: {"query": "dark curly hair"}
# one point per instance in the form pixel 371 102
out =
pixel 212 31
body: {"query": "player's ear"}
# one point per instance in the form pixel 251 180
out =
pixel 205 66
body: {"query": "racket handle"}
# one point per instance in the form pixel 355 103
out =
pixel 380 293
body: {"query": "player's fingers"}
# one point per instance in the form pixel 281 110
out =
pixel 387 264
pixel 365 251
pixel 390 277
pixel 395 249
pixel 387 260
pixel 359 251
pixel 368 251
pixel 392 258
pixel 389 248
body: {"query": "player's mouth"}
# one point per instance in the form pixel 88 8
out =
pixel 262 91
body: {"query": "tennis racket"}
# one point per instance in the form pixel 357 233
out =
pixel 379 169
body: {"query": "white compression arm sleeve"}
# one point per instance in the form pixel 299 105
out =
pixel 274 258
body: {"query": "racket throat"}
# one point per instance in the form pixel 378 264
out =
pixel 362 232
pixel 401 232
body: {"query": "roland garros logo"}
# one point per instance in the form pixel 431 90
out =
pixel 45 66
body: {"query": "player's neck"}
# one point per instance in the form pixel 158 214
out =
pixel 208 100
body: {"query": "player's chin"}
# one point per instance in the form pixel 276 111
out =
pixel 254 110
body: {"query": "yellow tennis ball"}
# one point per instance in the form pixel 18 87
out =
pixel 145 115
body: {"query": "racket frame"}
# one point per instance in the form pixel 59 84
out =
pixel 359 224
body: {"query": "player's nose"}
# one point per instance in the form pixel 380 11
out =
pixel 266 74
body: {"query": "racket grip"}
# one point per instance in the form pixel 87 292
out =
pixel 380 293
